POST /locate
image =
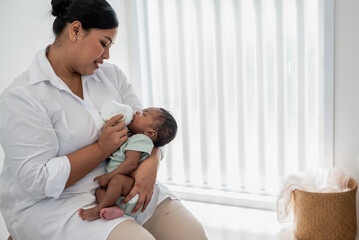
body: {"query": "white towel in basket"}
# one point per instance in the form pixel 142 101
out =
pixel 324 180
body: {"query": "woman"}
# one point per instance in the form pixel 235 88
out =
pixel 55 141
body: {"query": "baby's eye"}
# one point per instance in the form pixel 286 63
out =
pixel 103 44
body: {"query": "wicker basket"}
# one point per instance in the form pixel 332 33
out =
pixel 325 216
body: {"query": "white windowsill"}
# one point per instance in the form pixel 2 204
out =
pixel 224 198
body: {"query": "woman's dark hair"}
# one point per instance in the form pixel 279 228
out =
pixel 91 14
pixel 166 127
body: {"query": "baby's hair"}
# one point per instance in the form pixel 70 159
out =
pixel 91 13
pixel 166 127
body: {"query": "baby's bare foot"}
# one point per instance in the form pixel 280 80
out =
pixel 89 214
pixel 111 213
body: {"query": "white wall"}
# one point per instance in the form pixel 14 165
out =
pixel 346 110
pixel 26 28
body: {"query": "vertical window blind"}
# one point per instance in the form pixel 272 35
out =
pixel 249 82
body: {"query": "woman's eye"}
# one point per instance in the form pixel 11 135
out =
pixel 103 44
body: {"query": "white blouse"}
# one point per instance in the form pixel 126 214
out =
pixel 41 121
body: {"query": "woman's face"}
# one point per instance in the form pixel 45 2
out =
pixel 92 49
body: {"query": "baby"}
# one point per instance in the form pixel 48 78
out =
pixel 152 127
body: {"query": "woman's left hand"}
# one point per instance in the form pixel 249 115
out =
pixel 145 179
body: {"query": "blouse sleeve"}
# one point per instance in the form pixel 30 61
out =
pixel 127 91
pixel 30 145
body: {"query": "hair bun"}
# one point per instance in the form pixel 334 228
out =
pixel 59 7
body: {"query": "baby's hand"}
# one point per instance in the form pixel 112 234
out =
pixel 103 180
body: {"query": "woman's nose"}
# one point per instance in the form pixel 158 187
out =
pixel 106 53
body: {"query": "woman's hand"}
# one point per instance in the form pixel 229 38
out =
pixel 145 179
pixel 103 180
pixel 113 135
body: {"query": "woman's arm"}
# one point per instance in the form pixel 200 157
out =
pixel 145 178
pixel 86 159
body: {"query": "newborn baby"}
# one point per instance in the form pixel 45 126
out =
pixel 152 127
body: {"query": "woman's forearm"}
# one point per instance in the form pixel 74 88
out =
pixel 84 161
pixel 155 158
pixel 145 178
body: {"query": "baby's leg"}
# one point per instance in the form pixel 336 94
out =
pixel 119 185
pixel 115 211
pixel 93 213
pixel 106 198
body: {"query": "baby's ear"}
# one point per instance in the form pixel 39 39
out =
pixel 151 133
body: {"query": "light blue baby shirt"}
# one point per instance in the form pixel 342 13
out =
pixel 137 142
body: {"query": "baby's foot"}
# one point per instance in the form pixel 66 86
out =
pixel 111 213
pixel 89 214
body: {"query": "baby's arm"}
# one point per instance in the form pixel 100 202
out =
pixel 125 168
pixel 128 166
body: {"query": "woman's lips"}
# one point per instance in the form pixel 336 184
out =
pixel 96 63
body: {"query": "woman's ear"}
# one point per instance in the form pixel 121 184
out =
pixel 151 133
pixel 75 30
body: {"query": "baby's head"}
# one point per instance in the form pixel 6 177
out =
pixel 157 123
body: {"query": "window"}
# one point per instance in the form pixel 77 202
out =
pixel 250 83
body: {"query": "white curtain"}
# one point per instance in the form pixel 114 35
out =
pixel 249 81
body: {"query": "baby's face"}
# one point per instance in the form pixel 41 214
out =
pixel 144 120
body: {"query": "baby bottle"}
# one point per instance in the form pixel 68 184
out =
pixel 112 108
